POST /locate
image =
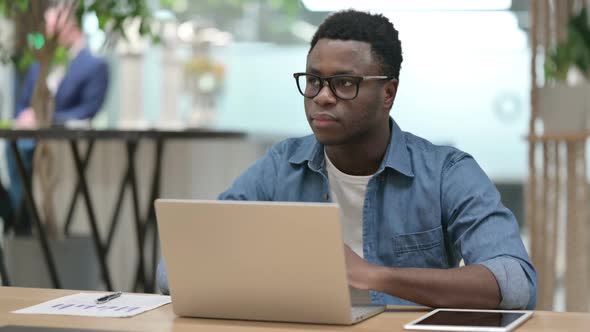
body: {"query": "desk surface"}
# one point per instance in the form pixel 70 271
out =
pixel 162 319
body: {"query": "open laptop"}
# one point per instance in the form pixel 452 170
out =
pixel 257 261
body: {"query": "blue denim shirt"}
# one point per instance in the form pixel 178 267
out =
pixel 427 206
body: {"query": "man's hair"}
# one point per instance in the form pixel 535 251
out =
pixel 374 29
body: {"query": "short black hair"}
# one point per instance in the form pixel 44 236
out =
pixel 374 29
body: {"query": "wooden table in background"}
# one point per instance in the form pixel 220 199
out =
pixel 144 220
pixel 163 319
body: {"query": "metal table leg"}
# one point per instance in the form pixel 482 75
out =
pixel 131 152
pixel 91 216
pixel 77 190
pixel 3 271
pixel 156 185
pixel 26 183
pixel 117 210
pixel 150 220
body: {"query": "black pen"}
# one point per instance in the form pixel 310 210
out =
pixel 108 297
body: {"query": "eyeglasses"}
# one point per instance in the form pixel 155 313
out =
pixel 345 87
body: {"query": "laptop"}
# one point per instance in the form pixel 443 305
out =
pixel 265 261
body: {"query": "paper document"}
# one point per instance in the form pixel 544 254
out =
pixel 83 304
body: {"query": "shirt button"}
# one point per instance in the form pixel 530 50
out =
pixel 327 197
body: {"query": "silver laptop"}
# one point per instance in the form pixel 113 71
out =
pixel 257 261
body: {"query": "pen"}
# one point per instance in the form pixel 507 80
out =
pixel 108 297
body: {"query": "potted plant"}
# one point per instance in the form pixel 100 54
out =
pixel 564 101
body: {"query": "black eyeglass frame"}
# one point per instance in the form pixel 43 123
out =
pixel 323 80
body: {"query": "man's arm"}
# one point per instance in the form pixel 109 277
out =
pixel 478 229
pixel 24 101
pixel 464 287
pixel 92 96
pixel 162 278
pixel 258 182
pixel 483 231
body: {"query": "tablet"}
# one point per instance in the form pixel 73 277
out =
pixel 470 320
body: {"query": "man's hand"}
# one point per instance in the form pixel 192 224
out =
pixel 26 119
pixel 471 286
pixel 359 271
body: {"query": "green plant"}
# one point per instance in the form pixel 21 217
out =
pixel 32 43
pixel 111 14
pixel 573 52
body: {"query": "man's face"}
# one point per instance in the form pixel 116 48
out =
pixel 335 121
pixel 60 21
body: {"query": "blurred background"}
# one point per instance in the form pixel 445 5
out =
pixel 465 77
pixel 227 65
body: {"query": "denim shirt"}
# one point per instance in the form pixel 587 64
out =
pixel 427 206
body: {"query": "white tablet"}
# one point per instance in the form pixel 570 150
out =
pixel 470 320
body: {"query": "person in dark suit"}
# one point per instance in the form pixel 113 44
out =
pixel 79 91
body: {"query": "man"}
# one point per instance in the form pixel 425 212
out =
pixel 411 210
pixel 78 90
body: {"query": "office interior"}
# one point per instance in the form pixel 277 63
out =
pixel 466 81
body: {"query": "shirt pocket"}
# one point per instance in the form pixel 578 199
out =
pixel 422 249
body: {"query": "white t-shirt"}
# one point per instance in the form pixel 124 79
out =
pixel 349 192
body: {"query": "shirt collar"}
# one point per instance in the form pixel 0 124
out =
pixel 396 157
pixel 310 151
pixel 75 49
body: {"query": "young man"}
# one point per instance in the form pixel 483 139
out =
pixel 411 210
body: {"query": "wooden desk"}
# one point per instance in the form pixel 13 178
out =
pixel 162 319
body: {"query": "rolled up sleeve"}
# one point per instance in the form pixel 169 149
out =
pixel 512 281
pixel 482 231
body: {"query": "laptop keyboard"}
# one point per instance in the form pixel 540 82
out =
pixel 360 311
